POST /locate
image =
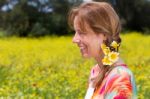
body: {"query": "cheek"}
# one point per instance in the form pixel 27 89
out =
pixel 95 46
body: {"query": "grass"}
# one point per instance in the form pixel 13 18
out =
pixel 52 67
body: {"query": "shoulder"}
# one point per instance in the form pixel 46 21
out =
pixel 119 76
pixel 121 81
pixel 120 71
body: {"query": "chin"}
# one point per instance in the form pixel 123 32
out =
pixel 86 56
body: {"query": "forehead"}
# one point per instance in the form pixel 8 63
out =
pixel 80 24
pixel 76 23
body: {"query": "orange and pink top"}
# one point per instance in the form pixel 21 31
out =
pixel 119 83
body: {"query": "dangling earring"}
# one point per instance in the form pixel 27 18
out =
pixel 110 57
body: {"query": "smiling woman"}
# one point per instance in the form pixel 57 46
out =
pixel 97 34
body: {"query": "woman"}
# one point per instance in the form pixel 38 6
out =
pixel 97 29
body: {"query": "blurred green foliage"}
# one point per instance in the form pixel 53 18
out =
pixel 25 19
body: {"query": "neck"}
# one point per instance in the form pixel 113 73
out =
pixel 99 60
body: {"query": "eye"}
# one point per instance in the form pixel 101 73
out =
pixel 81 33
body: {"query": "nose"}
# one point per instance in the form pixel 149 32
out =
pixel 76 38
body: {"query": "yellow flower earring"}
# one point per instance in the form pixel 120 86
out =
pixel 110 56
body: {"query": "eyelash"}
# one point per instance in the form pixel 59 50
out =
pixel 81 33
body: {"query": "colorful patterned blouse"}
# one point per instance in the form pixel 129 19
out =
pixel 118 84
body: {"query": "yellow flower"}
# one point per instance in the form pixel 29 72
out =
pixel 106 61
pixel 114 44
pixel 106 50
pixel 103 46
pixel 113 56
pixel 110 56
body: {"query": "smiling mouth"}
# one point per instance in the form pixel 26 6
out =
pixel 82 48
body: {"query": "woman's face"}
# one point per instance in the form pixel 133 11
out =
pixel 89 42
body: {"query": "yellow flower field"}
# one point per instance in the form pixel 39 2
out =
pixel 52 67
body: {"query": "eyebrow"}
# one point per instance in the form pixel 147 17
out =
pixel 79 30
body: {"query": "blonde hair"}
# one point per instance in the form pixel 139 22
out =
pixel 102 18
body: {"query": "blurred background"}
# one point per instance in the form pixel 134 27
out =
pixel 47 17
pixel 38 59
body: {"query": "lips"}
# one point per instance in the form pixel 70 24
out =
pixel 82 48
